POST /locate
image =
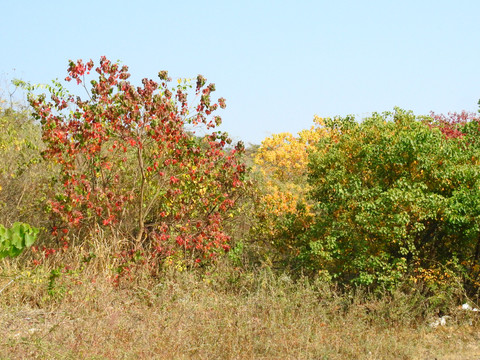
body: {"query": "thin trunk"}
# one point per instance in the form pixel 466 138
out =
pixel 141 220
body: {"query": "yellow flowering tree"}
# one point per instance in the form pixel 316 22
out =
pixel 280 165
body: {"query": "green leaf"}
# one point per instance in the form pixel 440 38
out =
pixel 14 240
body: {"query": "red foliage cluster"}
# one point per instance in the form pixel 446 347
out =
pixel 125 153
pixel 451 124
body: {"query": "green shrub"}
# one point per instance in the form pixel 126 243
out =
pixel 393 196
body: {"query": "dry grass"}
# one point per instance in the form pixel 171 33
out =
pixel 224 314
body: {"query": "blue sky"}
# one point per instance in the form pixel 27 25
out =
pixel 276 62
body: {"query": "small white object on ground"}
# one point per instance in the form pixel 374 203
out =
pixel 468 307
pixel 440 321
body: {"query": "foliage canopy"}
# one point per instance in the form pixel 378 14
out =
pixel 393 195
pixel 130 163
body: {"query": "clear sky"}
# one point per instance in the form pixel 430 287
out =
pixel 278 63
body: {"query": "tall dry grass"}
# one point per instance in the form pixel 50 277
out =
pixel 216 313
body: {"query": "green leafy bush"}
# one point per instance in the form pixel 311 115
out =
pixel 394 196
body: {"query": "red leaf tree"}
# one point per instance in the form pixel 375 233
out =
pixel 132 165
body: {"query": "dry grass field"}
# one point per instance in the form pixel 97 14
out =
pixel 217 314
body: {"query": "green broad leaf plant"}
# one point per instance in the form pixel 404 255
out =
pixel 15 239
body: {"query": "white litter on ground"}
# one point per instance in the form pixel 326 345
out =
pixel 442 321
pixel 468 307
